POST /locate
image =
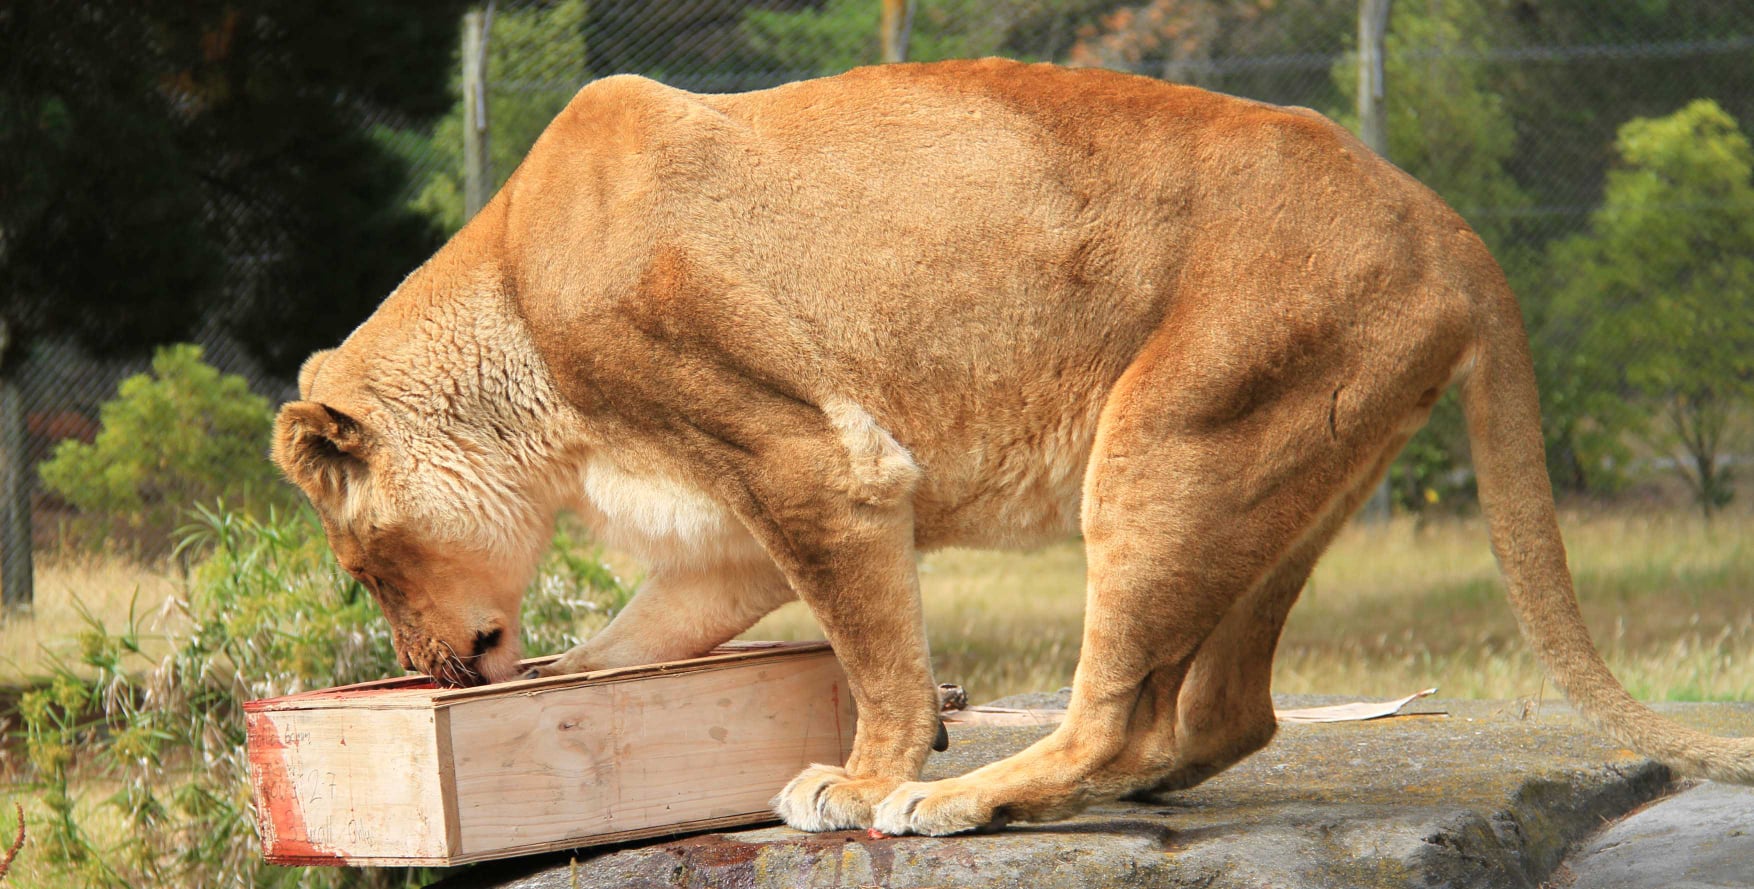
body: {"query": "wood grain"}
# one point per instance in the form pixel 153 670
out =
pixel 401 772
pixel 329 781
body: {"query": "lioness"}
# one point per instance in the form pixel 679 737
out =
pixel 779 343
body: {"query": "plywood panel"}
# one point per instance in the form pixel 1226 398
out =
pixel 399 771
pixel 330 781
pixel 643 753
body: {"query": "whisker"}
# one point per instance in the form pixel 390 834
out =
pixel 459 670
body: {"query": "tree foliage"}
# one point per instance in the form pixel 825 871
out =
pixel 536 61
pixel 181 435
pixel 843 34
pixel 1181 40
pixel 95 183
pixel 1448 127
pixel 1567 114
pixel 1662 288
pixel 173 163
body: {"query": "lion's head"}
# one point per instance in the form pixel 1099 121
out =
pixel 423 495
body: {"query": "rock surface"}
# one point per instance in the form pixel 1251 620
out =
pixel 1699 838
pixel 1486 796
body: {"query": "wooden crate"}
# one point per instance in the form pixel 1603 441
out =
pixel 399 772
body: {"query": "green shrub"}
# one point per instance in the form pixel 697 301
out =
pixel 180 435
pixel 268 613
pixel 1661 289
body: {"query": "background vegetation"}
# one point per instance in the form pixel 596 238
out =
pixel 181 435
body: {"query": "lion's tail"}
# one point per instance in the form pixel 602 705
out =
pixel 1504 427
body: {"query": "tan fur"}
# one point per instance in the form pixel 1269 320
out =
pixel 777 343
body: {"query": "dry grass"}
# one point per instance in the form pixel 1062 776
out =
pixel 33 869
pixel 66 590
pixel 1669 600
pixel 1391 609
pixel 103 587
pixel 999 622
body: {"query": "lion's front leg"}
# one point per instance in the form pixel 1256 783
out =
pixel 680 612
pixel 864 593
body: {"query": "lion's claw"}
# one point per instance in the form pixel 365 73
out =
pixel 827 798
pixel 574 660
pixel 934 808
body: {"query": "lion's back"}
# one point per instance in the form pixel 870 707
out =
pixel 974 251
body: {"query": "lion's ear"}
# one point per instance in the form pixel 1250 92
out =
pixel 319 447
pixel 308 371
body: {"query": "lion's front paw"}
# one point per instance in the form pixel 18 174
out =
pixel 827 798
pixel 934 808
pixel 576 660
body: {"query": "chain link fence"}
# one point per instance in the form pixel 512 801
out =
pixel 1631 244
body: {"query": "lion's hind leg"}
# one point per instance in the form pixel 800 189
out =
pixel 1195 510
pixel 1153 599
pixel 1222 709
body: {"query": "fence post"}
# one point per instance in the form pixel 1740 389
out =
pixel 1373 29
pixel 897 24
pixel 15 537
pixel 477 163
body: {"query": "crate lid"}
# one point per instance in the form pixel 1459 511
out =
pixel 417 691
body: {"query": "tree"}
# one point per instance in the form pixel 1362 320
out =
pixel 173 164
pixel 1644 59
pixel 536 61
pixel 843 34
pixel 693 44
pixel 1447 126
pixel 1662 286
pixel 1567 108
pixel 1262 49
pixel 178 162
pixel 185 434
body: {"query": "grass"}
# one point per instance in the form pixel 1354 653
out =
pixel 1390 610
pixel 34 870
pixel 68 588
pixel 66 591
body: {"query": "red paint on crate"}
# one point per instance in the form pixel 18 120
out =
pixel 408 683
pixel 399 683
pixel 284 836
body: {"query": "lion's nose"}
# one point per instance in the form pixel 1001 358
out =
pixel 486 641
